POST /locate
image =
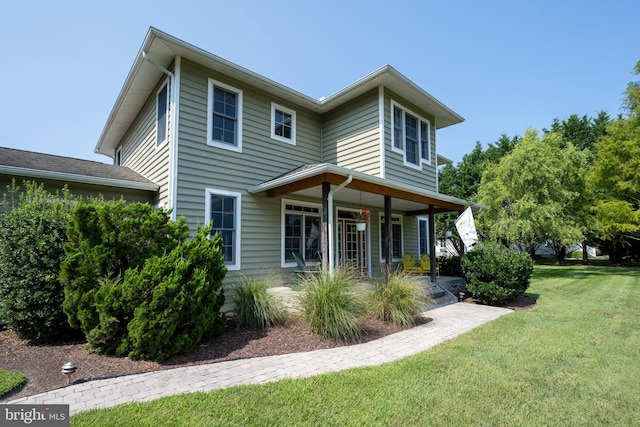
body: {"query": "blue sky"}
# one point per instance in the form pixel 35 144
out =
pixel 505 66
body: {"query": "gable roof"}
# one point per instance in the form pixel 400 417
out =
pixel 163 48
pixel 47 166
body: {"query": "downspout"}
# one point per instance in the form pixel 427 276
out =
pixel 173 124
pixel 330 220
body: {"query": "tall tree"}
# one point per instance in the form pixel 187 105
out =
pixel 536 194
pixel 584 132
pixel 615 178
pixel 463 180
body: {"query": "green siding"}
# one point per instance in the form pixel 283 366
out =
pixel 203 166
pixel 351 135
pixel 139 152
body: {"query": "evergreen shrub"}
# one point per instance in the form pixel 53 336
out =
pixel 495 274
pixel 32 236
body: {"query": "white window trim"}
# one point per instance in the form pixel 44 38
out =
pixel 117 160
pixel 283 215
pixel 238 219
pixel 425 219
pixel 380 222
pixel 402 150
pixel 160 144
pixel 238 146
pixel 291 140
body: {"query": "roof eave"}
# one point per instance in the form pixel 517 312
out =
pixel 82 179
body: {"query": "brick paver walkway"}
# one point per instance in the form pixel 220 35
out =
pixel 448 322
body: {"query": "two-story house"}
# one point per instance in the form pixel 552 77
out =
pixel 279 172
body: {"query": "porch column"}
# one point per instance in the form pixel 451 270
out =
pixel 432 242
pixel 324 230
pixel 388 224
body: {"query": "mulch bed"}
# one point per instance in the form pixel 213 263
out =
pixel 42 363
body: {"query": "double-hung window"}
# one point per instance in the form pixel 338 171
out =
pixel 283 124
pixel 411 136
pixel 224 117
pixel 301 232
pixel 162 114
pixel 222 208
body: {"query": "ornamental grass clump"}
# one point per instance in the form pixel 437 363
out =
pixel 255 306
pixel 398 298
pixel 331 306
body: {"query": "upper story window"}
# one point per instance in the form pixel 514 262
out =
pixel 224 116
pixel 283 124
pixel 162 114
pixel 223 210
pixel 118 159
pixel 411 136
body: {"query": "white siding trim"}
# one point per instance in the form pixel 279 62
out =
pixel 237 217
pixel 238 145
pixel 172 179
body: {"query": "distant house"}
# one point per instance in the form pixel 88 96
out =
pixel 82 177
pixel 278 172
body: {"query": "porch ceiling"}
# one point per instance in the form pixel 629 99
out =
pixel 365 190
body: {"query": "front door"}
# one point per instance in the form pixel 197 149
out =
pixel 351 244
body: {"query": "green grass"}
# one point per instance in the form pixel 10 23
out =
pixel 10 380
pixel 572 360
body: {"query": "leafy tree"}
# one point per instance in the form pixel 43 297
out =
pixel 537 194
pixel 463 180
pixel 615 178
pixel 32 236
pixel 584 132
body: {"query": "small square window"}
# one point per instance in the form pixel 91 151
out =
pixel 283 124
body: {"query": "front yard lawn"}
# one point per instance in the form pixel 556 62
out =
pixel 572 360
pixel 10 380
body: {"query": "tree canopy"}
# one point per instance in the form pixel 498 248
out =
pixel 537 193
pixel 615 177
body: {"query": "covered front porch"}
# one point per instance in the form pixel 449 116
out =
pixel 339 190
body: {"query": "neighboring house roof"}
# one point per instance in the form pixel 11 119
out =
pixel 47 166
pixel 368 189
pixel 163 48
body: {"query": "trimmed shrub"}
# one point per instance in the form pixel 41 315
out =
pixel 495 274
pixel 330 305
pixel 182 296
pixel 166 307
pixel 104 240
pixel 32 237
pixel 255 306
pixel 398 298
pixel 450 266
